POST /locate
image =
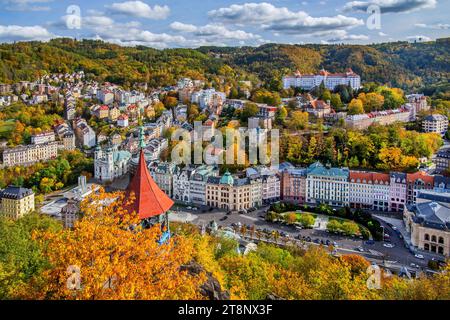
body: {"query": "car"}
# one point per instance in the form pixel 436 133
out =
pixel 223 218
pixel 414 265
pixel 328 242
pixel 360 249
pixel 370 242
pixel 418 256
pixel 388 245
pixel 394 228
pixel 189 208
pixel 194 208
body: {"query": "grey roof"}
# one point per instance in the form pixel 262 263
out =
pixel 318 169
pixel 435 117
pixel 441 181
pixel 13 192
pixel 433 214
pixel 398 176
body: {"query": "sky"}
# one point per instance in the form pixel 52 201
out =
pixel 194 23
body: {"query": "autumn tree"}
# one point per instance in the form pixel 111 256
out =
pixel 108 255
pixel 355 107
pixel 298 120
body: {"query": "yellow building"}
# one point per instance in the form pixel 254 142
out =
pixel 16 202
pixel 233 194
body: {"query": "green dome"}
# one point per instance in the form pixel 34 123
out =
pixel 227 178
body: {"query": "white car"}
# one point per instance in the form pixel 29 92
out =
pixel 418 256
pixel 361 249
pixel 189 208
pixel 388 245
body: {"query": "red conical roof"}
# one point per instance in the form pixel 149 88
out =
pixel 150 200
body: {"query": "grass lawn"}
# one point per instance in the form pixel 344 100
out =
pixel 6 127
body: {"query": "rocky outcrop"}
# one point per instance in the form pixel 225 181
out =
pixel 211 288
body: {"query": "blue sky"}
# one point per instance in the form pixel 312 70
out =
pixel 176 23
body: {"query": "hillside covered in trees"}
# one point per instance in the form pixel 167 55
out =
pixel 411 66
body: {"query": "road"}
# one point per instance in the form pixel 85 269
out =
pixel 399 255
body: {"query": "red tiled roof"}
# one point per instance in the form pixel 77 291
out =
pixel 150 200
pixel 412 177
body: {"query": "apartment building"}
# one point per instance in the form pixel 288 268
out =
pixel 26 155
pixel 436 123
pixel 15 202
pixel 327 185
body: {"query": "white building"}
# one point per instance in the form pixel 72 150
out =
pixel 436 123
pixel 122 121
pixel 25 155
pixel 111 163
pixel 181 184
pixel 327 185
pixel 43 137
pixel 84 133
pixel 105 96
pixel 208 98
pixel 330 80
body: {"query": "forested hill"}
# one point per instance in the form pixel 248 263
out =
pixel 407 65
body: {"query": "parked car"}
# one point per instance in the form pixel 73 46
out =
pixel 388 245
pixel 418 256
pixel 223 218
pixel 370 242
pixel 360 249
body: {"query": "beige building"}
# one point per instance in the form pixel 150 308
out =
pixel 233 194
pixel 16 202
pixel 428 223
pixel 29 154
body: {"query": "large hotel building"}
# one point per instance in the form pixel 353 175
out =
pixel 330 80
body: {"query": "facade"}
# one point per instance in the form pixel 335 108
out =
pixel 442 160
pixel 197 183
pixel 428 222
pixel 436 123
pixel 226 192
pixel 16 202
pixel 43 137
pixel 162 173
pixel 293 185
pixel 25 155
pixel 70 213
pixel 181 184
pixel 397 192
pixel 361 189
pixel 84 133
pixel 271 188
pixel 111 163
pixel 122 121
pixel 330 80
pixel 416 182
pixel 386 117
pixel 327 185
pixel 381 189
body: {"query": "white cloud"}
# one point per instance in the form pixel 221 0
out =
pixel 382 34
pixel 436 26
pixel 419 38
pixel 14 32
pixel 183 27
pixel 389 6
pixel 140 9
pixel 214 32
pixel 26 5
pixel 340 36
pixel 281 19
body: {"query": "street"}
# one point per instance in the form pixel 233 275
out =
pixel 397 256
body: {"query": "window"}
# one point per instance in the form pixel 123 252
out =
pixel 433 238
pixel 441 240
pixel 427 237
